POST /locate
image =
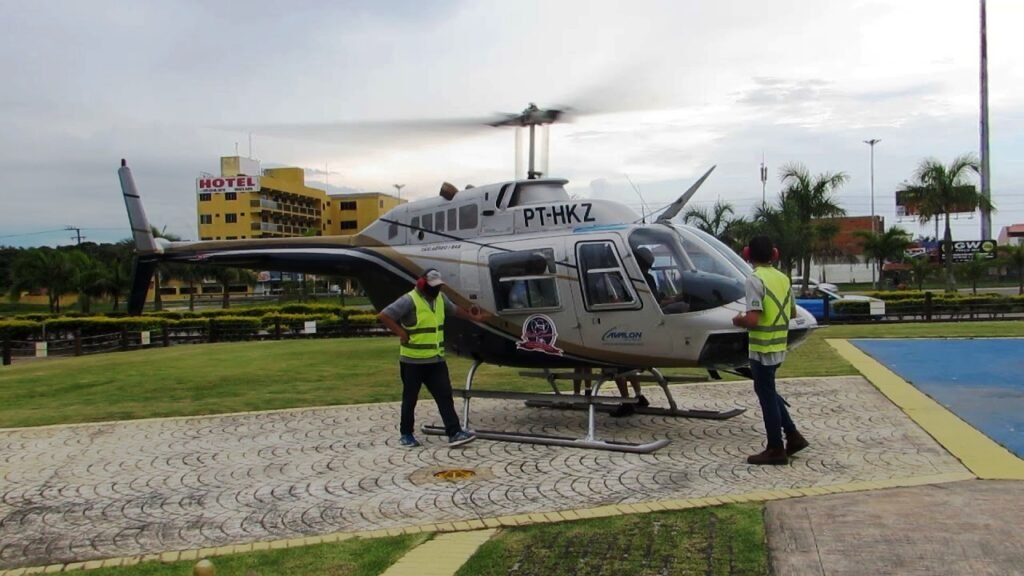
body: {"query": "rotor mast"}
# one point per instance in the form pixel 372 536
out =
pixel 531 117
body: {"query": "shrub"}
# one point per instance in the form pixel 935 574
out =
pixel 19 329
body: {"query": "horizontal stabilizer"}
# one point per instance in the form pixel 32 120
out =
pixel 142 232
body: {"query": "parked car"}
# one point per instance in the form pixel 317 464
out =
pixel 815 304
pixel 798 283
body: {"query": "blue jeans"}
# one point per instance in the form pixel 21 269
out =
pixel 773 407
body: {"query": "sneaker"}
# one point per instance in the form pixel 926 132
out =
pixel 409 441
pixel 460 438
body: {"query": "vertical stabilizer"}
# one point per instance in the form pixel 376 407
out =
pixel 142 232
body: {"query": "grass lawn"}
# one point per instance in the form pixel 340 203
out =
pixel 356 557
pixel 720 540
pixel 234 377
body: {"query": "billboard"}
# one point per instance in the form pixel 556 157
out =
pixel 967 250
pixel 207 184
pixel 907 207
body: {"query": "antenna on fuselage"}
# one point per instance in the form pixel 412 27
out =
pixel 643 203
pixel 676 206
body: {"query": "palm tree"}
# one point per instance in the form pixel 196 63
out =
pixel 42 269
pixel 938 190
pixel 782 226
pixel 810 198
pixel 920 269
pixel 720 221
pixel 91 278
pixel 228 277
pixel 1013 257
pixel 163 271
pixel 888 245
pixel 825 252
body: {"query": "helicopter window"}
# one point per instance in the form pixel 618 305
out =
pixel 428 221
pixel 414 222
pixel 451 220
pixel 392 230
pixel 501 196
pixel 467 217
pixel 439 221
pixel 604 280
pixel 524 280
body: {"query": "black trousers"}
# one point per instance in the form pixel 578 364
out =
pixel 435 377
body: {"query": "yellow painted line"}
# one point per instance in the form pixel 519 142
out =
pixel 442 556
pixel 979 453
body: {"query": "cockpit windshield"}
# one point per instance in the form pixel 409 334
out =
pixel 684 272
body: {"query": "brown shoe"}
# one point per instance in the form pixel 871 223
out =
pixel 771 456
pixel 795 442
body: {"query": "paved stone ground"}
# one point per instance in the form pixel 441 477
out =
pixel 84 492
pixel 950 529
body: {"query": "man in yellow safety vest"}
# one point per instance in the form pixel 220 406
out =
pixel 418 321
pixel 770 305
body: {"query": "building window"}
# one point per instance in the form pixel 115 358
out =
pixel 329 221
pixel 230 218
pixel 231 237
pixel 231 195
pixel 347 205
pixel 467 217
pixel 524 280
pixel 381 203
pixel 205 197
pixel 349 224
pixel 205 238
pixel 205 219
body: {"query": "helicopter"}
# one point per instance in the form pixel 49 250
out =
pixel 565 283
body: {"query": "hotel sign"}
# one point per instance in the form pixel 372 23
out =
pixel 209 184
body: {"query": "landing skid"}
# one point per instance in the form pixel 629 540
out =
pixel 590 401
pixel 651 410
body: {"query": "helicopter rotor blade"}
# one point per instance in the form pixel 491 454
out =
pixel 676 206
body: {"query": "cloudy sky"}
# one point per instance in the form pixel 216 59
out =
pixel 672 87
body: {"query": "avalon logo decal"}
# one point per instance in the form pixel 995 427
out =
pixel 625 337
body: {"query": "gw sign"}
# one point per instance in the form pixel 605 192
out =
pixel 967 250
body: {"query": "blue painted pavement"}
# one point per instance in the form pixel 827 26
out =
pixel 980 380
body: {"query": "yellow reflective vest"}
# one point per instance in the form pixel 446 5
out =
pixel 426 338
pixel 772 331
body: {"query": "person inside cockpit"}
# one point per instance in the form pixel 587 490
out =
pixel 669 305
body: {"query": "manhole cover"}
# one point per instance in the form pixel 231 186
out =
pixel 453 475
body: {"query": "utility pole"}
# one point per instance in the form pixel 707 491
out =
pixel 872 143
pixel 764 183
pixel 399 188
pixel 78 234
pixel 986 185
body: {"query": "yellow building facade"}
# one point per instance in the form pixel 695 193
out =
pixel 247 202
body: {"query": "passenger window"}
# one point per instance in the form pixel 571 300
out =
pixel 603 278
pixel 415 223
pixel 439 221
pixel 467 217
pixel 428 221
pixel 451 220
pixel 524 280
pixel 392 230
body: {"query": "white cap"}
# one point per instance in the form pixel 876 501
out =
pixel 434 278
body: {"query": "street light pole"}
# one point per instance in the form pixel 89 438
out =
pixel 986 184
pixel 872 143
pixel 764 183
pixel 399 188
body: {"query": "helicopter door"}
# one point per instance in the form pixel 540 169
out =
pixel 612 315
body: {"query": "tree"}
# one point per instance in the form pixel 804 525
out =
pixel 825 252
pixel 809 198
pixel 974 270
pixel 781 225
pixel 938 190
pixel 920 269
pixel 719 221
pixel 888 245
pixel 91 278
pixel 227 277
pixel 1013 257
pixel 42 269
pixel 163 271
